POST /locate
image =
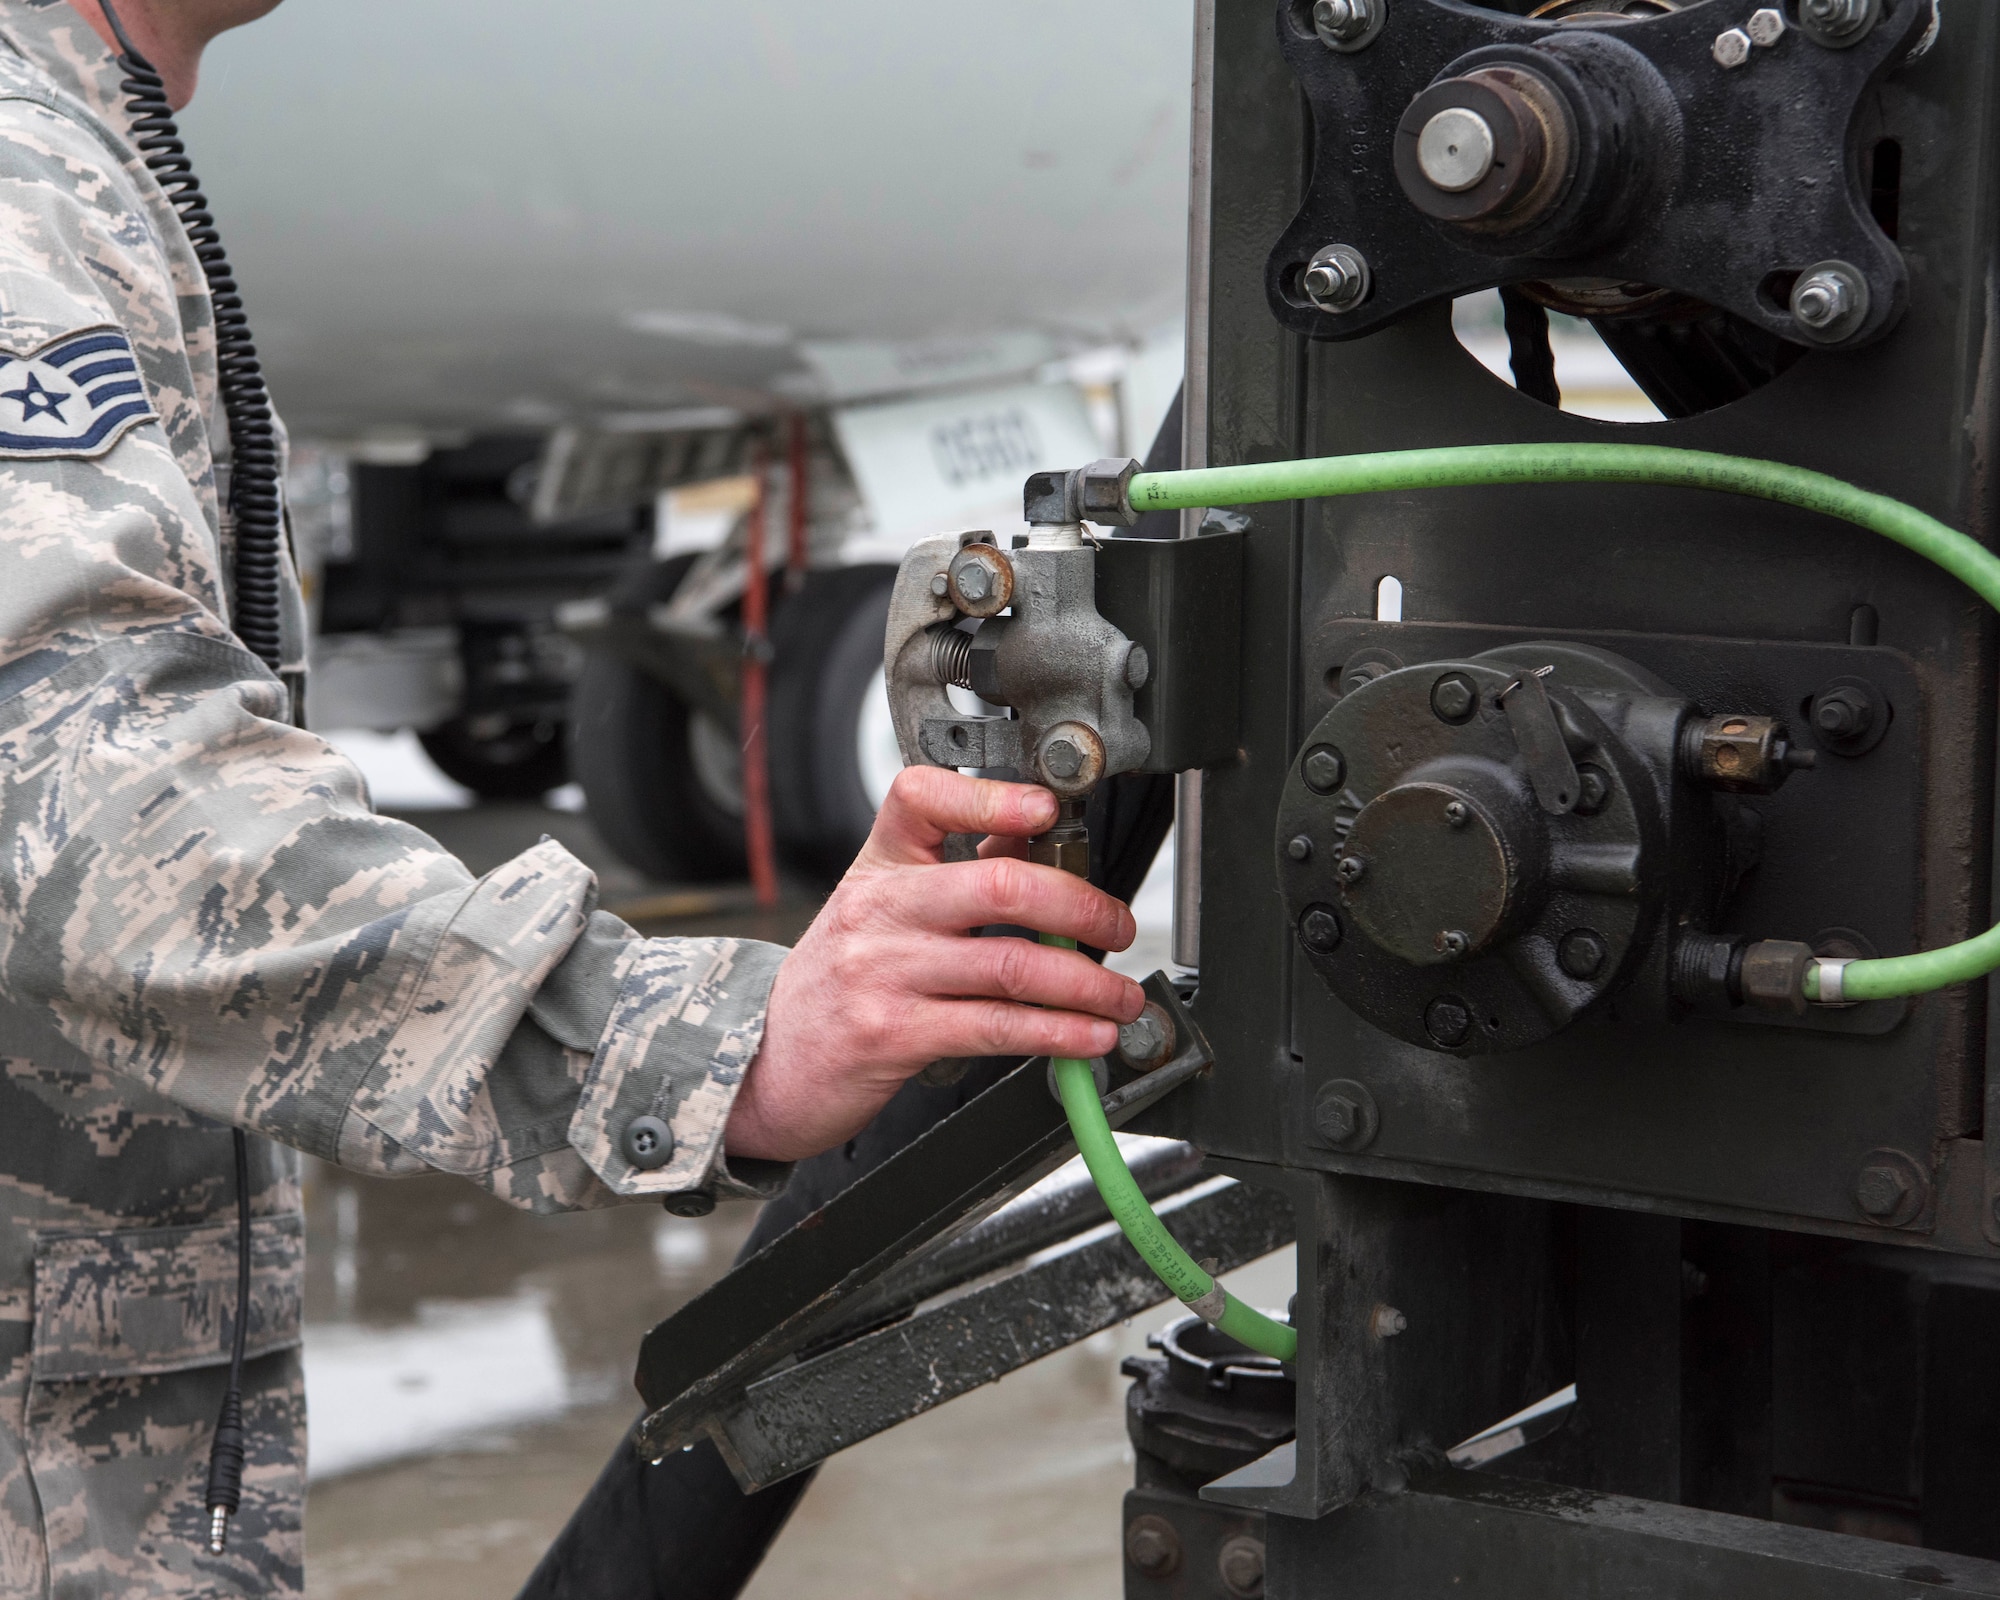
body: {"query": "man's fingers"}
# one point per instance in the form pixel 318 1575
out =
pixel 977 894
pixel 926 803
pixel 1006 968
pixel 996 1028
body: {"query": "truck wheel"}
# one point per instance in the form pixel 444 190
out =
pixel 662 784
pixel 499 755
pixel 832 746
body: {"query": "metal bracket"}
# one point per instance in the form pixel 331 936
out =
pixel 1678 175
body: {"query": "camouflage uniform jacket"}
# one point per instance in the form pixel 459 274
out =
pixel 202 922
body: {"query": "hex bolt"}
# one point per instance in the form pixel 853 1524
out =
pixel 1062 759
pixel 1144 1041
pixel 1837 22
pixel 1337 278
pixel 1448 1021
pixel 1350 869
pixel 1153 1546
pixel 1765 27
pixel 1300 848
pixel 1320 930
pixel 1323 768
pixel 1454 698
pixel 1457 813
pixel 1347 24
pixel 1385 1322
pixel 1593 789
pixel 1453 943
pixel 1240 1566
pixel 1455 150
pixel 1731 48
pixel 1829 301
pixel 1337 1118
pixel 974 581
pixel 1581 953
pixel 1882 1190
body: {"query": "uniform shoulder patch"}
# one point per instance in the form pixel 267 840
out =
pixel 74 397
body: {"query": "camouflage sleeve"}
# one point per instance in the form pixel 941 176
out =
pixel 198 896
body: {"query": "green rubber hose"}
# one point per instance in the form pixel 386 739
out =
pixel 1463 466
pixel 1098 1146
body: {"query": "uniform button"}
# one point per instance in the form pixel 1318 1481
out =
pixel 689 1203
pixel 649 1143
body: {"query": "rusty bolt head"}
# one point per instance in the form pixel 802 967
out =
pixel 1324 769
pixel 1240 1565
pixel 1448 1021
pixel 981 581
pixel 1581 953
pixel 1148 1039
pixel 1882 1190
pixel 1454 697
pixel 1153 1546
pixel 1070 759
pixel 1350 869
pixel 1300 848
pixel 1319 930
pixel 1457 813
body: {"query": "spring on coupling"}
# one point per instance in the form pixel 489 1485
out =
pixel 951 657
pixel 254 493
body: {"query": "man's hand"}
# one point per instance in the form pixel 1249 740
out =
pixel 887 978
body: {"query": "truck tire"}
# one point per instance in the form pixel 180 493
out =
pixel 499 756
pixel 832 747
pixel 652 771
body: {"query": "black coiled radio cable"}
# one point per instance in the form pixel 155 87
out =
pixel 255 495
pixel 257 506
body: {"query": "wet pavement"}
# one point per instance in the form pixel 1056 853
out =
pixel 468 1369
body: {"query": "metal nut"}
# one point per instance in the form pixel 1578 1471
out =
pixel 1881 1190
pixel 1320 930
pixel 1148 1039
pixel 1337 1118
pixel 980 581
pixel 1153 1546
pixel 1731 48
pixel 1240 1566
pixel 1838 24
pixel 1454 697
pixel 1323 769
pixel 1765 27
pixel 1581 953
pixel 1347 25
pixel 1773 974
pixel 1070 759
pixel 1337 278
pixel 1448 1021
pixel 1829 301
